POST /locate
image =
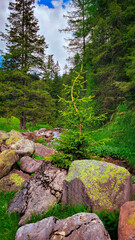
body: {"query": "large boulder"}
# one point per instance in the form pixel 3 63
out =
pixel 14 136
pixel 43 190
pixel 7 160
pixel 43 151
pixel 14 181
pixel 126 226
pixel 81 226
pixel 98 185
pixel 24 147
pixel 30 165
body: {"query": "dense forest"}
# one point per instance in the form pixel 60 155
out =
pixel 101 56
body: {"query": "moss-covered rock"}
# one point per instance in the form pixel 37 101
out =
pixel 14 137
pixel 14 181
pixel 99 185
pixel 7 159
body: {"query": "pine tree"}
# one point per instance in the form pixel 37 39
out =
pixel 25 48
pixel 24 55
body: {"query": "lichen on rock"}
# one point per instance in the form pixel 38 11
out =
pixel 15 178
pixel 107 185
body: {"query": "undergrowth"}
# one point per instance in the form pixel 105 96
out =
pixel 8 222
pixel 121 132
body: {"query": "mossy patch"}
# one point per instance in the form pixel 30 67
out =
pixel 16 179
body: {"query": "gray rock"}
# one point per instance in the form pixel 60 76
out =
pixel 98 185
pixel 85 226
pixel 81 226
pixel 24 147
pixel 36 231
pixel 43 190
pixel 29 164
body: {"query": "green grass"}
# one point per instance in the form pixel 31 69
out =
pixel 59 211
pixel 13 123
pixel 8 222
pixel 121 132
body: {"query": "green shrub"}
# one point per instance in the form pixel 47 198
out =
pixel 71 142
pixel 41 140
pixel 61 160
pixel 110 221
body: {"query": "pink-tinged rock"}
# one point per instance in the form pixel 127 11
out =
pixel 36 231
pixel 81 226
pixel 126 226
pixel 14 181
pixel 43 151
pixel 29 164
pixel 7 160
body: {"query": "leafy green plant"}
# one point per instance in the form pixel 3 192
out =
pixel 19 163
pixel 41 140
pixel 37 157
pixel 133 179
pixel 110 221
pixel 8 222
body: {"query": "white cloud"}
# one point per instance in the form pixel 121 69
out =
pixel 50 20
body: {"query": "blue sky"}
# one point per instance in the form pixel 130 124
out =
pixel 0 60
pixel 50 4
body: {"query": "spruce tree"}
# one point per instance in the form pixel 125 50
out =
pixel 24 55
pixel 25 47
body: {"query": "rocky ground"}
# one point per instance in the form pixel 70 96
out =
pixel 96 184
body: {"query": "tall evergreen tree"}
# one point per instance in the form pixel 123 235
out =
pixel 25 48
pixel 25 54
